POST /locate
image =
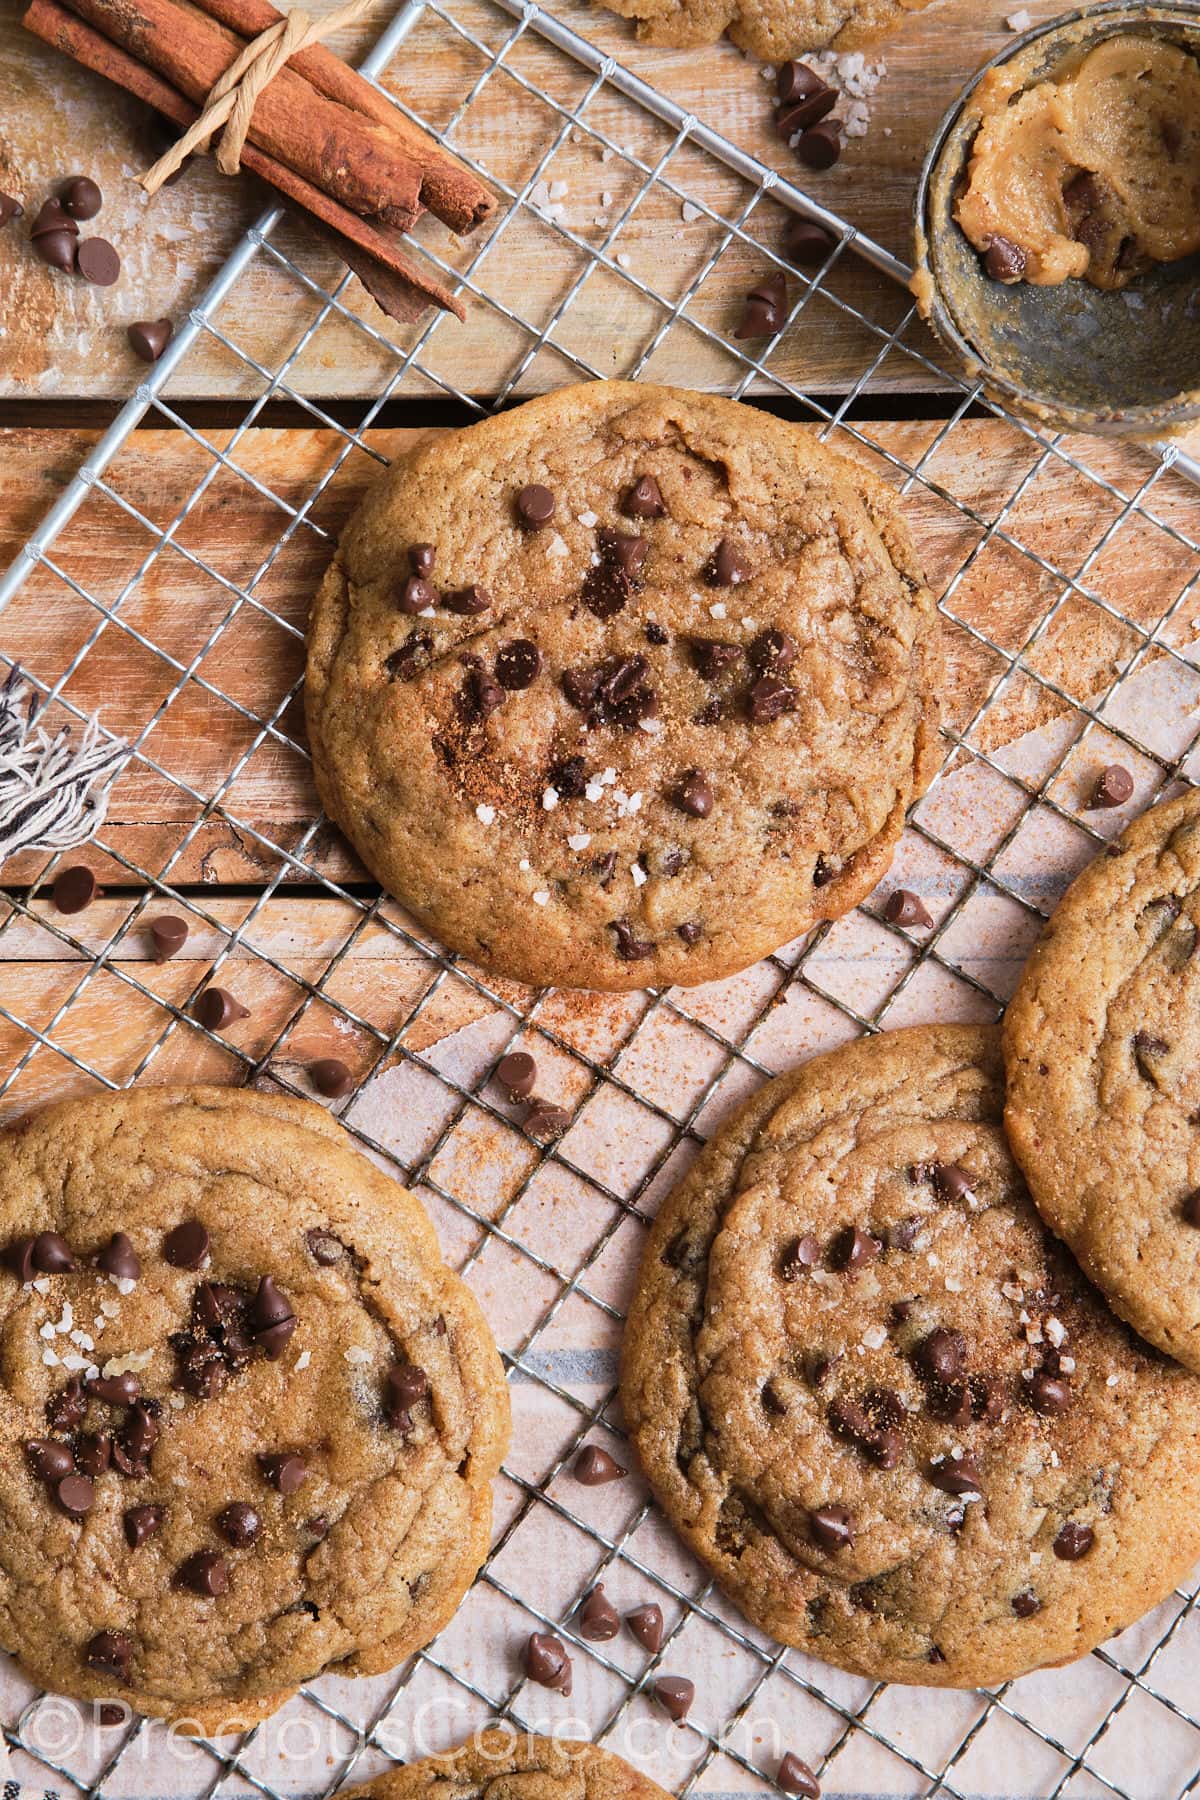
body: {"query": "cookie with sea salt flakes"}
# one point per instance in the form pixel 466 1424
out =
pixel 495 1765
pixel 882 1403
pixel 248 1419
pixel 627 686
pixel 770 28
pixel 1100 1043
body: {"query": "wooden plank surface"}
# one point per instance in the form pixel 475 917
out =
pixel 60 338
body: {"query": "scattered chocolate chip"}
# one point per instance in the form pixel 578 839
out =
pixel 675 1694
pixel 693 794
pixel 81 198
pixel 517 1072
pixel 272 1320
pixel 75 1495
pixel 52 1254
pixel 796 81
pixel 518 664
pixel 656 633
pixel 878 1444
pixel 594 1467
pixel 624 549
pixel 644 500
pixel 774 651
pixel 711 656
pixel 18 1258
pixel 111 1712
pixel 50 1460
pixel 903 1234
pixel 406 663
pixel 479 696
pixel 205 1573
pixel 821 145
pixel 568 777
pixel 547 1662
pixel 765 310
pixel 141 1522
pixel 905 908
pixel 801 1254
pixel 148 338
pixel 57 248
pixel 597 1618
pixel 1026 1603
pixel 769 699
pixel 952 1183
pixel 416 596
pixel 187 1247
pixel 955 1475
pixel 65 1410
pixel 1190 1210
pixel 691 931
pixel 646 1625
pixel 611 580
pixel 795 1777
pixel 629 947
pixel 543 1120
pixel 286 1472
pixel 1049 1394
pixel 74 888
pixel 832 1527
pixel 942 1356
pixel 109 1652
pixel 324 1247
pixel 168 934
pixel 467 601
pixel 535 506
pixel 421 558
pixel 139 1434
pixel 1004 261
pixel 806 243
pixel 10 209
pixel 853 1248
pixel 1114 786
pixel 331 1077
pixel 52 215
pixel 1073 1541
pixel 406 1387
pixel 239 1523
pixel 317 1527
pixel 97 262
pixel 115 1390
pixel 216 1008
pixel 727 567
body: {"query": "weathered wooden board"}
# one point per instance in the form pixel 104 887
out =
pixel 60 338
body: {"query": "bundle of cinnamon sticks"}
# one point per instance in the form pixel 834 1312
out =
pixel 320 133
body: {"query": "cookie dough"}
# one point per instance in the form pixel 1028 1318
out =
pixel 1094 173
pixel 249 1419
pixel 774 29
pixel 881 1402
pixel 1101 1041
pixel 627 686
pixel 496 1765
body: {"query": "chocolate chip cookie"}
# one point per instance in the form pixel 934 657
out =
pixel 770 28
pixel 499 1764
pixel 882 1403
pixel 1100 1042
pixel 627 686
pixel 250 1420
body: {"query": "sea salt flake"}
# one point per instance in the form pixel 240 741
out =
pixel 556 547
pixel 177 1402
pixel 550 799
pixel 47 1330
pixel 608 777
pixel 558 190
pixel 689 212
pixel 50 1359
pixel 41 1285
pixel 1111 1380
pixel 485 814
pixel 606 198
pixel 1019 21
pixel 651 727
pixel 303 1360
pixel 593 791
pixel 622 260
pixel 587 518
pixel 875 1337
pixel 717 609
pixel 524 865
pixel 133 1362
pixel 541 898
pixel 638 873
pixel 1056 1331
pixel 356 1354
pixel 579 840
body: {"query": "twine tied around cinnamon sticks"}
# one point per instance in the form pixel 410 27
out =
pixel 232 99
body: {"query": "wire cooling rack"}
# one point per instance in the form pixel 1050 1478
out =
pixel 1052 556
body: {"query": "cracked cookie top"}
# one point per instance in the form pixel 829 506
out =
pixel 881 1402
pixel 1100 1043
pixel 770 28
pixel 627 686
pixel 249 1419
pixel 496 1765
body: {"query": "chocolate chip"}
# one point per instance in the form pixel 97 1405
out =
pixel 52 215
pixel 693 794
pixel 602 867
pixel 727 567
pixel 645 1623
pixel 629 947
pixel 58 248
pixel 239 1523
pixel 518 664
pixel 141 1522
pixel 331 1077
pixel 711 656
pixel 479 696
pixel 148 338
pixel 1190 1211
pixel 139 1434
pixel 111 1712
pixel 421 558
pixel 821 145
pixel 109 1652
pixel 416 595
pixel 1004 261
pixel 18 1258
pixel 773 650
pixel 547 1662
pixel 97 262
pixel 853 1248
pixel 806 243
pixel 769 699
pixel 216 1008
pixel 285 1471
pixel 187 1247
pixel 626 550
pixel 675 1694
pixel 568 777
pixel 535 506
pixel 65 1410
pixel 597 1618
pixel 168 934
pixel 324 1247
pixel 317 1527
pixel 765 312
pixel 796 81
pixel 1114 786
pixel 517 1072
pixel 849 1420
pixel 1026 1603
pixel 81 198
pixel 612 580
pixel 94 1454
pixel 832 1527
pixel 49 1459
pixel 206 1573
pixel 795 1777
pixel 644 500
pixel 811 103
pixel 74 888
pixel 1073 1541
pixel 406 1387
pixel 10 209
pixel 272 1320
pixel 115 1390
pixel 75 1495
pixel 406 663
pixel 942 1356
pixel 594 1467
pixel 656 633
pixel 903 907
pixel 952 1183
pixel 52 1254
pixel 1048 1393
pixel 544 1120
pixel 467 601
pixel 691 931
pixel 955 1475
pixel 801 1254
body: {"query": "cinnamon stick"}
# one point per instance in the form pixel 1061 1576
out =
pixel 51 22
pixel 450 191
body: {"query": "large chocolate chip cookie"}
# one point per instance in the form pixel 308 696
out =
pixel 496 1765
pixel 770 28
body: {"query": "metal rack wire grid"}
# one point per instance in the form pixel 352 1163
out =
pixel 1031 539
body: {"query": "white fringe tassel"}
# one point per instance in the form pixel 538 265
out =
pixel 52 795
